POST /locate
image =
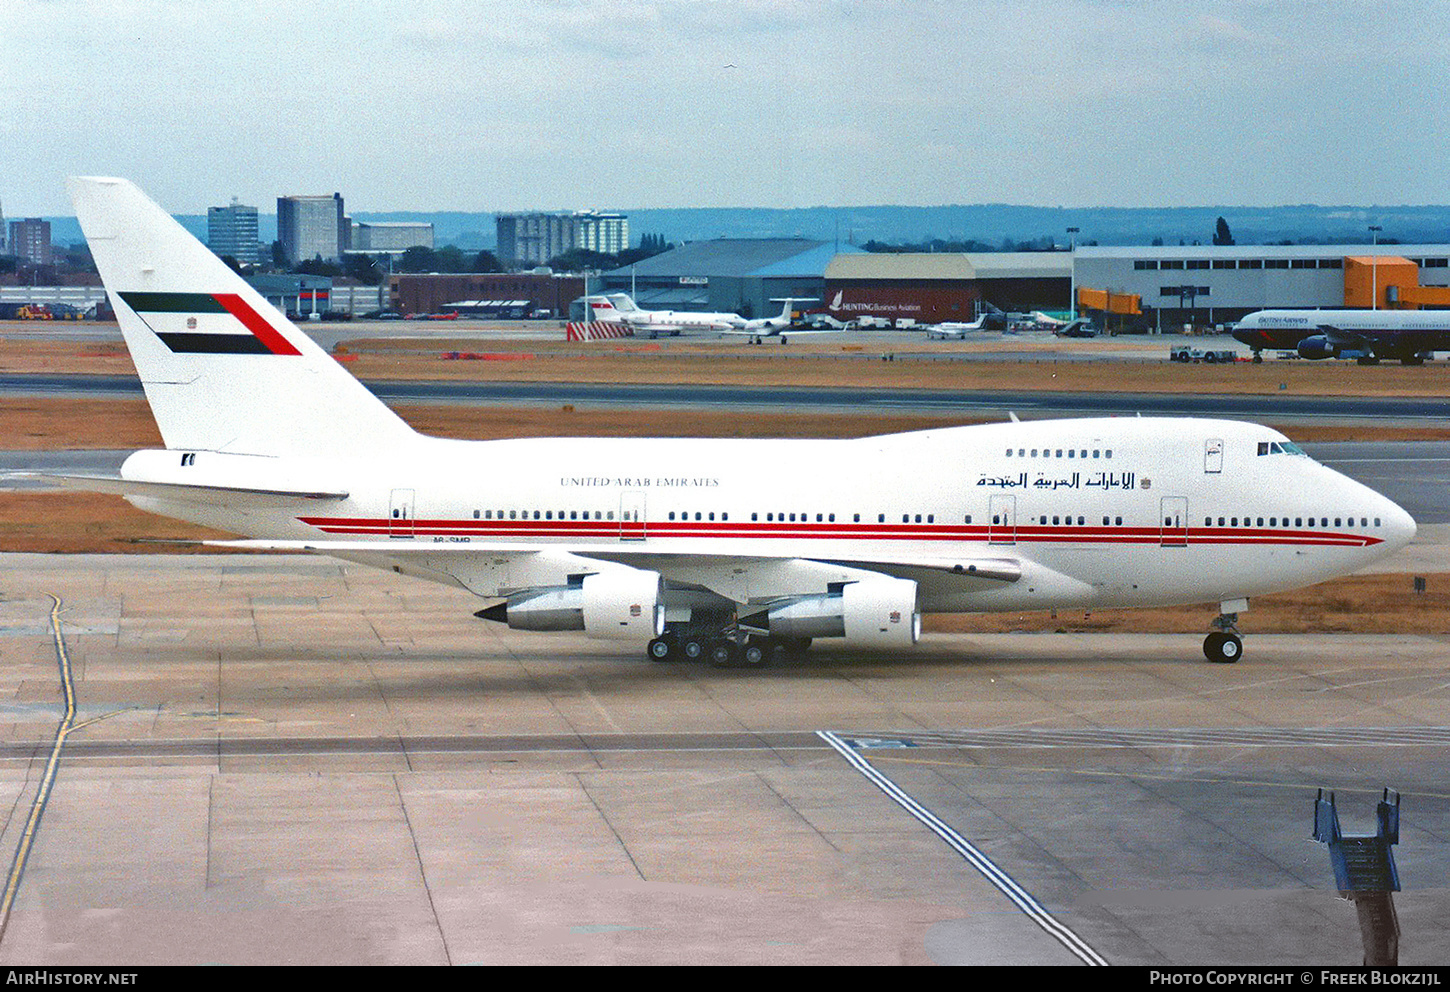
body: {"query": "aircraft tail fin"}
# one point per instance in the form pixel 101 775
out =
pixel 223 369
pixel 788 302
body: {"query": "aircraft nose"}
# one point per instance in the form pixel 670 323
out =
pixel 1400 527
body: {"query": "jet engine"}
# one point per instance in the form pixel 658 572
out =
pixel 618 604
pixel 1317 347
pixel 875 613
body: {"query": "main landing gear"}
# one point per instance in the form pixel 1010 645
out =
pixel 723 648
pixel 1224 646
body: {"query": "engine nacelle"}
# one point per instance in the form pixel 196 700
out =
pixel 873 613
pixel 1317 347
pixel 619 605
pixel 624 605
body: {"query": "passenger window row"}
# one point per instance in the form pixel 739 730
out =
pixel 543 515
pixel 1285 522
pixel 1058 453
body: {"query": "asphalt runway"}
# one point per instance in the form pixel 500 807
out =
pixel 289 759
pixel 973 403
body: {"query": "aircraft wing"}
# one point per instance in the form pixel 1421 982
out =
pixel 1341 338
pixel 775 332
pixel 1002 569
pixel 740 576
pixel 172 490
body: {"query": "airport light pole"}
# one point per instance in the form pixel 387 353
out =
pixel 1374 263
pixel 1072 272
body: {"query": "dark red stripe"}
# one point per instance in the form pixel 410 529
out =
pixel 1024 533
pixel 254 322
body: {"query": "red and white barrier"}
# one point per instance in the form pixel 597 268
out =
pixel 597 330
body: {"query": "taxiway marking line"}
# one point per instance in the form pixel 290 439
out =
pixel 52 765
pixel 1004 883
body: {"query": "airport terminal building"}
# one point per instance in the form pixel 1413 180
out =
pixel 1204 286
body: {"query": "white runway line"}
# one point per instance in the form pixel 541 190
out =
pixel 1020 897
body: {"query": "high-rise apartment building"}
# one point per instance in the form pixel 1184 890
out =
pixel 390 236
pixel 232 230
pixel 30 240
pixel 533 239
pixel 312 226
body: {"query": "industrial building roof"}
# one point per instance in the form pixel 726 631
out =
pixel 964 266
pixel 738 257
pixel 1150 252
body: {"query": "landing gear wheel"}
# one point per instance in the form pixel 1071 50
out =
pixel 724 653
pixel 756 653
pixel 692 647
pixel 1258 358
pixel 662 649
pixel 1222 647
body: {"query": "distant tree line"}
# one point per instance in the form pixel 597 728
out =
pixel 371 270
pixel 580 259
pixel 1043 243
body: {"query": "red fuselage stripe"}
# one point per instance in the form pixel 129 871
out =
pixel 999 534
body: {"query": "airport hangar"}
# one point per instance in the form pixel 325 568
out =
pixel 1136 288
pixel 493 294
pixel 1147 289
pixel 728 275
pixel 1203 286
pixel 930 287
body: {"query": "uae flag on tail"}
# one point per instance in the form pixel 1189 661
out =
pixel 208 323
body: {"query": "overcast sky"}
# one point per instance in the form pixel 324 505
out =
pixel 421 105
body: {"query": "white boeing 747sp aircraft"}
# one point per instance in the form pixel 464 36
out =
pixel 733 549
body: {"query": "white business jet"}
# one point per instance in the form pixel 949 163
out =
pixel 733 549
pixel 955 328
pixel 620 308
pixel 775 327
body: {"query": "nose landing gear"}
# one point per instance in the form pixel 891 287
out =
pixel 1224 646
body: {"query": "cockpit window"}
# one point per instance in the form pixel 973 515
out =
pixel 1280 448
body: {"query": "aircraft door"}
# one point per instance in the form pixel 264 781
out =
pixel 1002 517
pixel 1213 456
pixel 400 513
pixel 631 516
pixel 1174 512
